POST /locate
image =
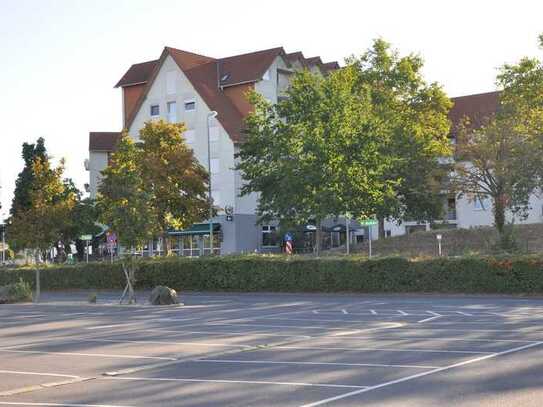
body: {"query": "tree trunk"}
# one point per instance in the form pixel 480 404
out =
pixel 318 238
pixel 166 244
pixel 499 213
pixel 381 221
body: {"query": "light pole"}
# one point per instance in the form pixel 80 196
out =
pixel 210 115
pixel 3 224
pixel 347 243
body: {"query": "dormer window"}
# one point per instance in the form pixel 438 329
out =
pixel 190 105
pixel 266 76
pixel 155 111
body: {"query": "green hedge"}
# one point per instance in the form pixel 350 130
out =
pixel 298 274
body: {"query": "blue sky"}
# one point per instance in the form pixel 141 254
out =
pixel 60 59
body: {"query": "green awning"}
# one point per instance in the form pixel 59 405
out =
pixel 196 229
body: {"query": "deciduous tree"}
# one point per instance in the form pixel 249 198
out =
pixel 176 183
pixel 414 131
pixel 123 204
pixel 314 154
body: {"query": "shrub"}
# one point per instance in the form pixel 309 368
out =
pixel 16 292
pixel 497 275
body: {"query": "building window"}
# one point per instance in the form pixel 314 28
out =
pixel 478 204
pixel 190 105
pixel 266 76
pixel 189 136
pixel 170 83
pixel 155 111
pixel 451 208
pixel 172 112
pixel 214 133
pixel 269 236
pixel 215 165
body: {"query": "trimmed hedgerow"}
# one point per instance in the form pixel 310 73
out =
pixel 522 275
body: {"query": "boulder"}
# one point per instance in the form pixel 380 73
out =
pixel 162 295
pixel 4 295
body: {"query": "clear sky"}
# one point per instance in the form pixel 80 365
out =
pixel 59 59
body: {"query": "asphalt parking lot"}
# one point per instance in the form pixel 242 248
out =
pixel 273 350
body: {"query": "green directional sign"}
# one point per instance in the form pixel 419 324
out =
pixel 86 237
pixel 368 222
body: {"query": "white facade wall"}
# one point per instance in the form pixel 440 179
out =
pixel 98 161
pixel 471 214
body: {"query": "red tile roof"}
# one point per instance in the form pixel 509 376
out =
pixel 247 67
pixel 137 73
pixel 103 140
pixel 204 74
pixel 314 61
pixel 474 107
pixel 330 66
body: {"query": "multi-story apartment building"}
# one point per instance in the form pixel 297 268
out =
pixel 185 87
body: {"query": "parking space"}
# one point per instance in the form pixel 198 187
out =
pixel 272 350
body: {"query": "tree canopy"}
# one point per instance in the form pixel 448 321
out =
pixel 153 185
pixel 364 140
pixel 176 183
pixel 23 185
pixel 314 154
pixel 415 127
pixel 41 223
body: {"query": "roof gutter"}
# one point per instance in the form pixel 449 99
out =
pixel 239 83
pixel 129 84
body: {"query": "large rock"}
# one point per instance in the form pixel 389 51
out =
pixel 162 295
pixel 4 295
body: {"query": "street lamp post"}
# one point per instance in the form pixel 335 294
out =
pixel 3 240
pixel 210 115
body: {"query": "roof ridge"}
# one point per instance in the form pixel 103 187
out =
pixel 476 94
pixel 146 62
pixel 252 53
pixel 188 52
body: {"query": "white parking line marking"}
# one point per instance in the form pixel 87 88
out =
pixel 164 342
pixel 161 379
pixel 344 311
pixel 315 312
pixel 373 312
pixel 402 312
pixel 464 313
pixel 416 376
pixel 113 325
pixel 376 349
pixel 273 362
pixel 339 321
pixel 37 374
pixel 26 403
pixel 428 338
pixel 270 326
pixel 100 355
pixel 429 319
pixel 225 333
pixel 434 313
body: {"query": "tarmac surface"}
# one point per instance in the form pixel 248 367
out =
pixel 286 350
